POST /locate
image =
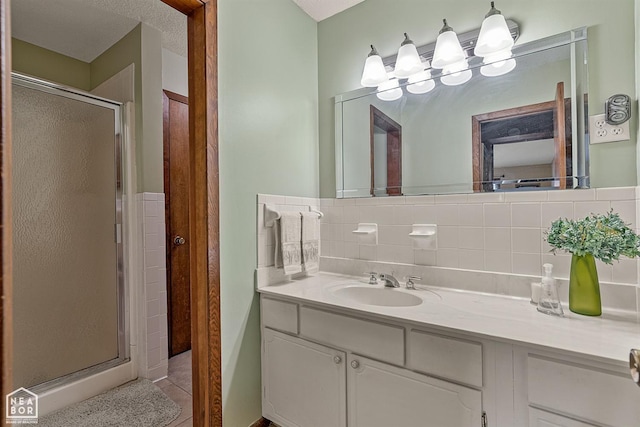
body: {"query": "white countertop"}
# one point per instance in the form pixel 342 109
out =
pixel 497 317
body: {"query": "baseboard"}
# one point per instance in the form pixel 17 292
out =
pixel 262 422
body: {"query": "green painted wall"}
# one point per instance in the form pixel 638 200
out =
pixel 268 144
pixel 142 47
pixel 342 50
pixel 38 62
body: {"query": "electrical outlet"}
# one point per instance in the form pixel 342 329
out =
pixel 600 131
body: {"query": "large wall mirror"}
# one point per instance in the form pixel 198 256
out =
pixel 521 131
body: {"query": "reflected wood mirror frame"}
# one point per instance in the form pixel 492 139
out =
pixel 380 123
pixel 529 123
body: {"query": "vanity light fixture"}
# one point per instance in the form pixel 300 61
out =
pixel 421 82
pixel 494 34
pixel 498 63
pixel 408 61
pixel 456 74
pixel 374 72
pixel 494 45
pixel 389 90
pixel 448 50
pixel 449 57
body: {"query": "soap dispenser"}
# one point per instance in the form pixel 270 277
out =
pixel 549 302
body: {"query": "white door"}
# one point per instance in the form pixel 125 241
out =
pixel 303 383
pixel 381 395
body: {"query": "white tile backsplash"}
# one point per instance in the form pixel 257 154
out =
pixel 497 239
pixel 584 209
pixel 498 233
pixel 551 211
pixel 447 215
pixel 497 215
pixel 471 215
pixel 508 228
pixel 525 215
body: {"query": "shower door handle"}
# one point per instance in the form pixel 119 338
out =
pixel 179 240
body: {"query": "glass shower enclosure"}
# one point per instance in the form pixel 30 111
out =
pixel 69 288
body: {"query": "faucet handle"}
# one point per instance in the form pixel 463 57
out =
pixel 410 279
pixel 372 277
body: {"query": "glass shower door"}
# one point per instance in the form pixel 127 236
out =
pixel 67 262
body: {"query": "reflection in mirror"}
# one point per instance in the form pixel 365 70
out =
pixel 524 147
pixel 386 155
pixel 478 136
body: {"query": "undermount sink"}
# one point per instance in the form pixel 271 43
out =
pixel 381 296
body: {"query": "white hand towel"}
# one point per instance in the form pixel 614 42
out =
pixel 288 247
pixel 310 241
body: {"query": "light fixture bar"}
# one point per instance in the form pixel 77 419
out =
pixel 467 41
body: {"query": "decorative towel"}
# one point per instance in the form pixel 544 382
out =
pixel 310 241
pixel 288 231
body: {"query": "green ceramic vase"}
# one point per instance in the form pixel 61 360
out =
pixel 584 288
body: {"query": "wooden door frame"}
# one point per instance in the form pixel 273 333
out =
pixel 476 133
pixel 394 131
pixel 204 202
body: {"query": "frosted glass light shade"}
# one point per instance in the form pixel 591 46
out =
pixel 389 90
pixel 421 83
pixel 408 61
pixel 456 74
pixel 374 72
pixel 498 64
pixel 494 36
pixel 448 50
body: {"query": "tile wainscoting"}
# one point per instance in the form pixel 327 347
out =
pixel 490 242
pixel 153 319
pixel 496 232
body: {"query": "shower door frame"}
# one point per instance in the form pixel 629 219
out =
pixel 204 187
pixel 122 289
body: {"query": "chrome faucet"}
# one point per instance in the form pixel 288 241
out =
pixel 389 280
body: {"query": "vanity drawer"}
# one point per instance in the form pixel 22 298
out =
pixel 368 338
pixel 279 315
pixel 601 396
pixel 444 357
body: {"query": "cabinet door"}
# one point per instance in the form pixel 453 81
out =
pixel 304 384
pixel 383 395
pixel 538 418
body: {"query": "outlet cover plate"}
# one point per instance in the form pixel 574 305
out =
pixel 600 131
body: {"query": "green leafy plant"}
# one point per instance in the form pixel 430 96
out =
pixel 606 237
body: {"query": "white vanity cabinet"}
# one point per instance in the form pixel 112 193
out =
pixel 382 395
pixel 304 384
pixel 326 366
pixel 560 390
pixel 342 370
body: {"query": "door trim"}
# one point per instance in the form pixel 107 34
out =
pixel 204 189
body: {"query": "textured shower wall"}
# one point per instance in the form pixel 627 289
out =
pixel 65 305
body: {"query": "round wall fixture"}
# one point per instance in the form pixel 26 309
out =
pixel 617 109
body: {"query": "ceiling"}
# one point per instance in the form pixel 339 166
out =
pixel 322 9
pixel 84 29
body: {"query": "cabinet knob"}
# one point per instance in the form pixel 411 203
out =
pixel 355 364
pixel 634 365
pixel 337 360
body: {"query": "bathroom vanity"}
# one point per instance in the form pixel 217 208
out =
pixel 337 351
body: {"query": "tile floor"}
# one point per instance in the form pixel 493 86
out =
pixel 178 387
